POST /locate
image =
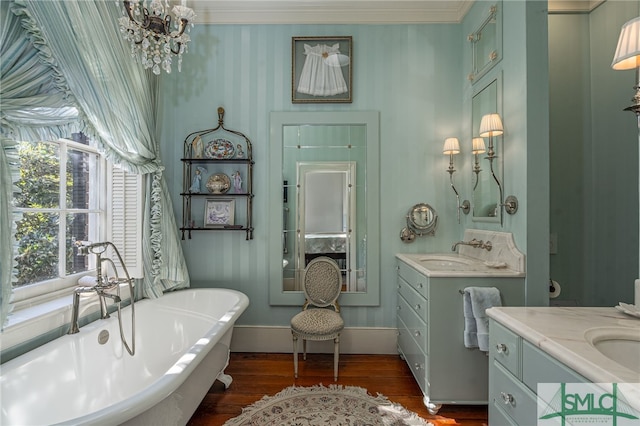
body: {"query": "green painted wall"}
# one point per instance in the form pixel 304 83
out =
pixel 410 73
pixel 594 158
pixel 416 77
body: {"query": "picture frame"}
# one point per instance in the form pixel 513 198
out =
pixel 219 212
pixel 334 84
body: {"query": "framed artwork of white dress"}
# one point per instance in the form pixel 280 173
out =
pixel 321 69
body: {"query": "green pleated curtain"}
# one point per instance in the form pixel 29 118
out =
pixel 65 68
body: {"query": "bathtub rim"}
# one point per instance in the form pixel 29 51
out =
pixel 166 384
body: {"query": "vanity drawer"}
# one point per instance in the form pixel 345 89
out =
pixel 413 323
pixel 505 347
pixel 512 396
pixel 413 298
pixel 413 355
pixel 498 417
pixel 414 278
pixel 538 367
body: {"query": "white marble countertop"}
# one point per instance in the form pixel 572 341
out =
pixel 559 331
pixel 480 269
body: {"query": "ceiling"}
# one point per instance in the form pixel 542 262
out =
pixel 350 11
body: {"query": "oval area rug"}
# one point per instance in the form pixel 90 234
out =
pixel 319 405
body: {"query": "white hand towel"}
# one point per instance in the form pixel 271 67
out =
pixel 483 298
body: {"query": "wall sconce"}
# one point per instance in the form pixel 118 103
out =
pixel 490 126
pixel 477 147
pixel 627 57
pixel 451 148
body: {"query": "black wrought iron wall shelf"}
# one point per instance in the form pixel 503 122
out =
pixel 217 182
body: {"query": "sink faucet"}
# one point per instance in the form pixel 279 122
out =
pixel 473 243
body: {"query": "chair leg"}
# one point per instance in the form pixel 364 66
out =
pixel 336 355
pixel 304 349
pixel 295 356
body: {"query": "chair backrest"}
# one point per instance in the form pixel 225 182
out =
pixel 322 282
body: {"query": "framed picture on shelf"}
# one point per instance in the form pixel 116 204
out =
pixel 321 69
pixel 219 212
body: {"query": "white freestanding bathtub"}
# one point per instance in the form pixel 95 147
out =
pixel 182 346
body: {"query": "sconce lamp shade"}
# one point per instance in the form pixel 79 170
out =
pixel 491 125
pixel 451 146
pixel 627 55
pixel 478 146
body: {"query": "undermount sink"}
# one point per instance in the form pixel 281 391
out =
pixel 620 344
pixel 443 262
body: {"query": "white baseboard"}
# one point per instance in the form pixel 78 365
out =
pixel 353 340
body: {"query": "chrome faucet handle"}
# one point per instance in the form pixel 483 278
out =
pixel 488 246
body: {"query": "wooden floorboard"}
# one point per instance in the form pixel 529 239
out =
pixel 258 374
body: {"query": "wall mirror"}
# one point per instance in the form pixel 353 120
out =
pixel 486 194
pixel 322 168
pixel 485 44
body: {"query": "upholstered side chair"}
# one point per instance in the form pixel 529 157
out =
pixel 320 318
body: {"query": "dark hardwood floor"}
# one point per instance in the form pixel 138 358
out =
pixel 258 374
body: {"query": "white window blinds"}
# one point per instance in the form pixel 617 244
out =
pixel 124 221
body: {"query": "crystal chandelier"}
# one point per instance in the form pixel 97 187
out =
pixel 153 36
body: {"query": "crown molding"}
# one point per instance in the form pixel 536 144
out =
pixel 573 6
pixel 329 11
pixel 351 11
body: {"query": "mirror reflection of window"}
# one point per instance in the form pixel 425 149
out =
pixel 325 210
pixel 326 219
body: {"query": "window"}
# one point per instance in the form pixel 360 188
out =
pixel 66 190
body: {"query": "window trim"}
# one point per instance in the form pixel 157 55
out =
pixel 44 291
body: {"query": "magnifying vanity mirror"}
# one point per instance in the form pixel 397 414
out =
pixel 422 219
pixel 486 193
pixel 322 166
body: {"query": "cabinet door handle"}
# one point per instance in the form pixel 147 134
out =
pixel 417 307
pixel 501 348
pixel 419 285
pixel 417 333
pixel 398 307
pixel 418 366
pixel 507 398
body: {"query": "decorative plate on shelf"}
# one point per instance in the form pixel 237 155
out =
pixel 218 183
pixel 219 149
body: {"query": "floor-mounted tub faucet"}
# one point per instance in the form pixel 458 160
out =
pixel 473 243
pixel 101 286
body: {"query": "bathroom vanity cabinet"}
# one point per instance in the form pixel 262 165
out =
pixel 515 369
pixel 430 323
pixel 217 184
pixel 556 345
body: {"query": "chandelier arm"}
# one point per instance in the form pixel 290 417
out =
pixel 175 52
pixel 167 25
pixel 127 8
